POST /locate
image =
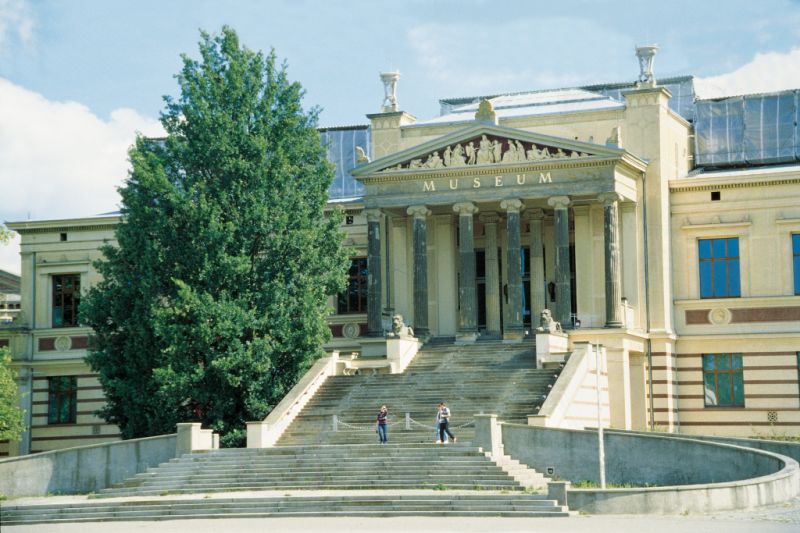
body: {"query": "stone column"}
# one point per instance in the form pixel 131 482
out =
pixel 492 270
pixel 468 301
pixel 420 238
pixel 563 288
pixel 612 258
pixel 374 322
pixel 538 297
pixel 512 329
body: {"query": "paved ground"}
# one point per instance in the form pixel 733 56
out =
pixel 782 518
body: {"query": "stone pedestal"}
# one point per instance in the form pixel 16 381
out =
pixel 551 349
pixel 400 351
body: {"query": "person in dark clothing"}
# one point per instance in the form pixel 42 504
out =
pixel 443 419
pixel 383 415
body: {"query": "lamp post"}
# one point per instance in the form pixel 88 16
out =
pixel 601 452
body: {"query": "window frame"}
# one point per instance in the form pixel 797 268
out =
pixel 732 371
pixel 795 247
pixel 56 280
pixel 57 396
pixel 362 281
pixel 714 261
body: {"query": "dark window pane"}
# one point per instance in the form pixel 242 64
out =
pixel 724 391
pixel 710 389
pixel 797 274
pixel 723 361
pixel 733 278
pixel 706 281
pixel 708 362
pixel 720 279
pixel 718 248
pixel 705 248
pixel 737 361
pixel 733 247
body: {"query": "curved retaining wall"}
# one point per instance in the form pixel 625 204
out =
pixel 686 475
pixel 82 469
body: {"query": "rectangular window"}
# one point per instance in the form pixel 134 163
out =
pixel 354 297
pixel 66 298
pixel 796 261
pixel 62 400
pixel 723 380
pixel 719 268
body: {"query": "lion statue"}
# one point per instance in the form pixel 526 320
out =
pixel 547 324
pixel 399 328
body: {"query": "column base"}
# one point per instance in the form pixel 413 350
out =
pixel 466 337
pixel 613 324
pixel 513 336
pixel 423 334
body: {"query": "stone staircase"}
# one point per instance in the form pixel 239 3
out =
pixel 348 467
pixel 487 377
pixel 354 505
pixel 316 471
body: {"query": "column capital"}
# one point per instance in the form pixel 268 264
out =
pixel 533 213
pixel 373 215
pixel 512 205
pixel 490 217
pixel 418 211
pixel 558 202
pixel 609 198
pixel 465 208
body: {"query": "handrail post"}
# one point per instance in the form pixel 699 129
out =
pixel 408 421
pixel 335 423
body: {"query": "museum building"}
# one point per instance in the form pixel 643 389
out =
pixel 663 226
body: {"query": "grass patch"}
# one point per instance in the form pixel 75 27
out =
pixel 589 484
pixel 439 486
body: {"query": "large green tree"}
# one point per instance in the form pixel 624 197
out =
pixel 213 301
pixel 12 424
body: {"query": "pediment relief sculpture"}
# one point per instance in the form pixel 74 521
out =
pixel 486 150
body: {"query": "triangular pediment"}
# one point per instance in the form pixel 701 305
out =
pixel 482 145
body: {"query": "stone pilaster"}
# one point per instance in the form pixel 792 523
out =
pixel 563 309
pixel 492 273
pixel 374 322
pixel 467 298
pixel 420 238
pixel 513 329
pixel 538 297
pixel 613 280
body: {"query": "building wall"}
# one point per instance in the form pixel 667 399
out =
pixel 41 351
pixel 760 208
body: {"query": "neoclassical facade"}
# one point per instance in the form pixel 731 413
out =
pixel 618 209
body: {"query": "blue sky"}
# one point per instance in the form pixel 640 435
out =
pixel 77 78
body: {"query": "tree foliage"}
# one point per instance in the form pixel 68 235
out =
pixel 12 424
pixel 213 303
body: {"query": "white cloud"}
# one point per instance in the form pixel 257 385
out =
pixel 768 72
pixel 16 20
pixel 59 160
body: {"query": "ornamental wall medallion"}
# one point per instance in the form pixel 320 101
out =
pixel 719 316
pixel 63 343
pixel 351 330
